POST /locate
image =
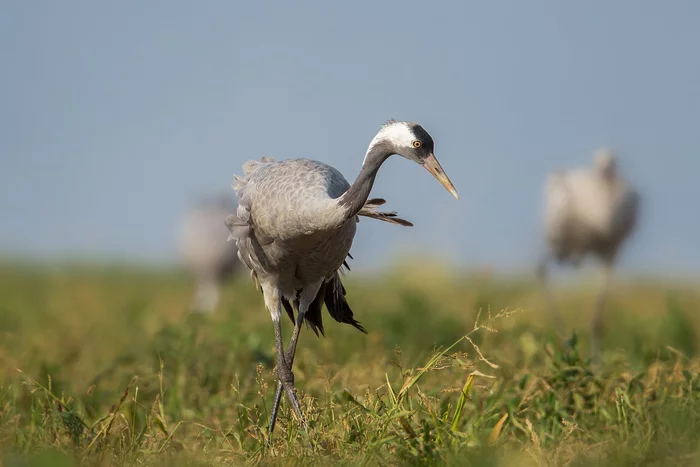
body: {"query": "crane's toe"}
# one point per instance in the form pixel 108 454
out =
pixel 294 401
pixel 286 377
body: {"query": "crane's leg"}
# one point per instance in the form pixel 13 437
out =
pixel 285 375
pixel 284 370
pixel 305 299
pixel 207 296
pixel 289 357
pixel 273 415
pixel 597 324
pixel 542 274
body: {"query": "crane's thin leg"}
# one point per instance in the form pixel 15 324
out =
pixel 306 297
pixel 597 324
pixel 289 357
pixel 273 415
pixel 284 373
pixel 556 317
pixel 207 296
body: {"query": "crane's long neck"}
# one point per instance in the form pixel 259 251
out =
pixel 356 196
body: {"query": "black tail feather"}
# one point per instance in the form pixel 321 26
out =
pixel 288 309
pixel 314 317
pixel 332 293
pixel 337 305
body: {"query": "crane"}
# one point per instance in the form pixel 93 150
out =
pixel 295 224
pixel 588 211
pixel 210 259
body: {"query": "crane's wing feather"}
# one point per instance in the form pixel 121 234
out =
pixel 370 210
pixel 242 225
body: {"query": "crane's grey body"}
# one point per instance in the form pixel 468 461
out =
pixel 299 239
pixel 589 212
pixel 206 253
pixel 294 228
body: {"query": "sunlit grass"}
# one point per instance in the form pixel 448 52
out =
pixel 106 366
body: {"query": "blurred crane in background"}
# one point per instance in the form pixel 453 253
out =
pixel 205 251
pixel 588 211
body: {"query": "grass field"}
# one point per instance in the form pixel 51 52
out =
pixel 105 366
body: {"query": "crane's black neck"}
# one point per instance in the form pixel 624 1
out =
pixel 356 196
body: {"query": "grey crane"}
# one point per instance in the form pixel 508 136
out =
pixel 204 249
pixel 295 224
pixel 589 211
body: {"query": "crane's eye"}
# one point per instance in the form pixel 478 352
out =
pixel 417 144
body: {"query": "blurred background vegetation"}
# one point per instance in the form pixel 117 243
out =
pixel 107 365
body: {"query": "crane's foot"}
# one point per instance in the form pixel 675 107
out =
pixel 291 395
pixel 289 358
pixel 286 378
pixel 286 383
pixel 273 415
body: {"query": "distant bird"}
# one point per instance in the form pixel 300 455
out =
pixel 588 211
pixel 207 254
pixel 295 224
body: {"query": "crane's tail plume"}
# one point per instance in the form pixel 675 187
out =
pixel 337 305
pixel 251 165
pixel 240 225
pixel 370 209
pixel 332 293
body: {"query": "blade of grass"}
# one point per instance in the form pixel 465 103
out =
pixel 431 363
pixel 466 389
pixel 496 431
pixel 394 401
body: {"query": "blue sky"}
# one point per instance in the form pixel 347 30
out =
pixel 114 115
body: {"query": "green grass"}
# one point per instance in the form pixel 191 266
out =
pixel 105 366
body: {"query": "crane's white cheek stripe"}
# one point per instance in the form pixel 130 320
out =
pixel 397 134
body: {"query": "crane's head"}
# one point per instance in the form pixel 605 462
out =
pixel 411 141
pixel 605 162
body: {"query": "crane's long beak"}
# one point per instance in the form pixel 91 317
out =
pixel 432 165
